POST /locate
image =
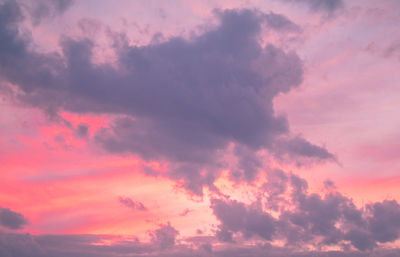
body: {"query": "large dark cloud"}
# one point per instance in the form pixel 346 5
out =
pixel 11 219
pixel 183 100
pixel 307 219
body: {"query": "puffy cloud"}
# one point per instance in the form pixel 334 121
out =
pixel 275 189
pixel 165 236
pixel 183 101
pixel 248 166
pixel 237 217
pixel 302 219
pixel 384 221
pixel 11 220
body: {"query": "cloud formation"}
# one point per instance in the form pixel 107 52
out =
pixel 285 212
pixel 182 101
pixel 26 245
pixel 11 219
pixel 164 237
pixel 237 217
pixel 305 219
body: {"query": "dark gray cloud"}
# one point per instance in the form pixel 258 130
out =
pixel 132 204
pixel 11 220
pixel 182 101
pixel 328 6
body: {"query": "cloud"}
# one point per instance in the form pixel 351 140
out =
pixel 132 204
pixel 182 101
pixel 248 220
pixel 280 22
pixel 328 6
pixel 185 212
pixel 392 50
pixel 301 151
pixel 384 221
pixel 164 237
pixel 275 189
pixel 303 219
pixel 307 220
pixel 82 130
pixel 26 245
pixel 11 220
pixel 42 9
pixel 249 164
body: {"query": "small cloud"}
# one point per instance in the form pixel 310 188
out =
pixel 82 130
pixel 11 220
pixel 132 204
pixel 165 236
pixel 185 212
pixel 327 6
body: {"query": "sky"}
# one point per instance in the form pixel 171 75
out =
pixel 199 128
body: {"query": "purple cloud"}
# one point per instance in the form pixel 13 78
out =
pixel 132 204
pixel 182 101
pixel 307 219
pixel 164 237
pixel 328 6
pixel 11 219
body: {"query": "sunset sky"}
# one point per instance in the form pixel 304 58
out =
pixel 199 128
